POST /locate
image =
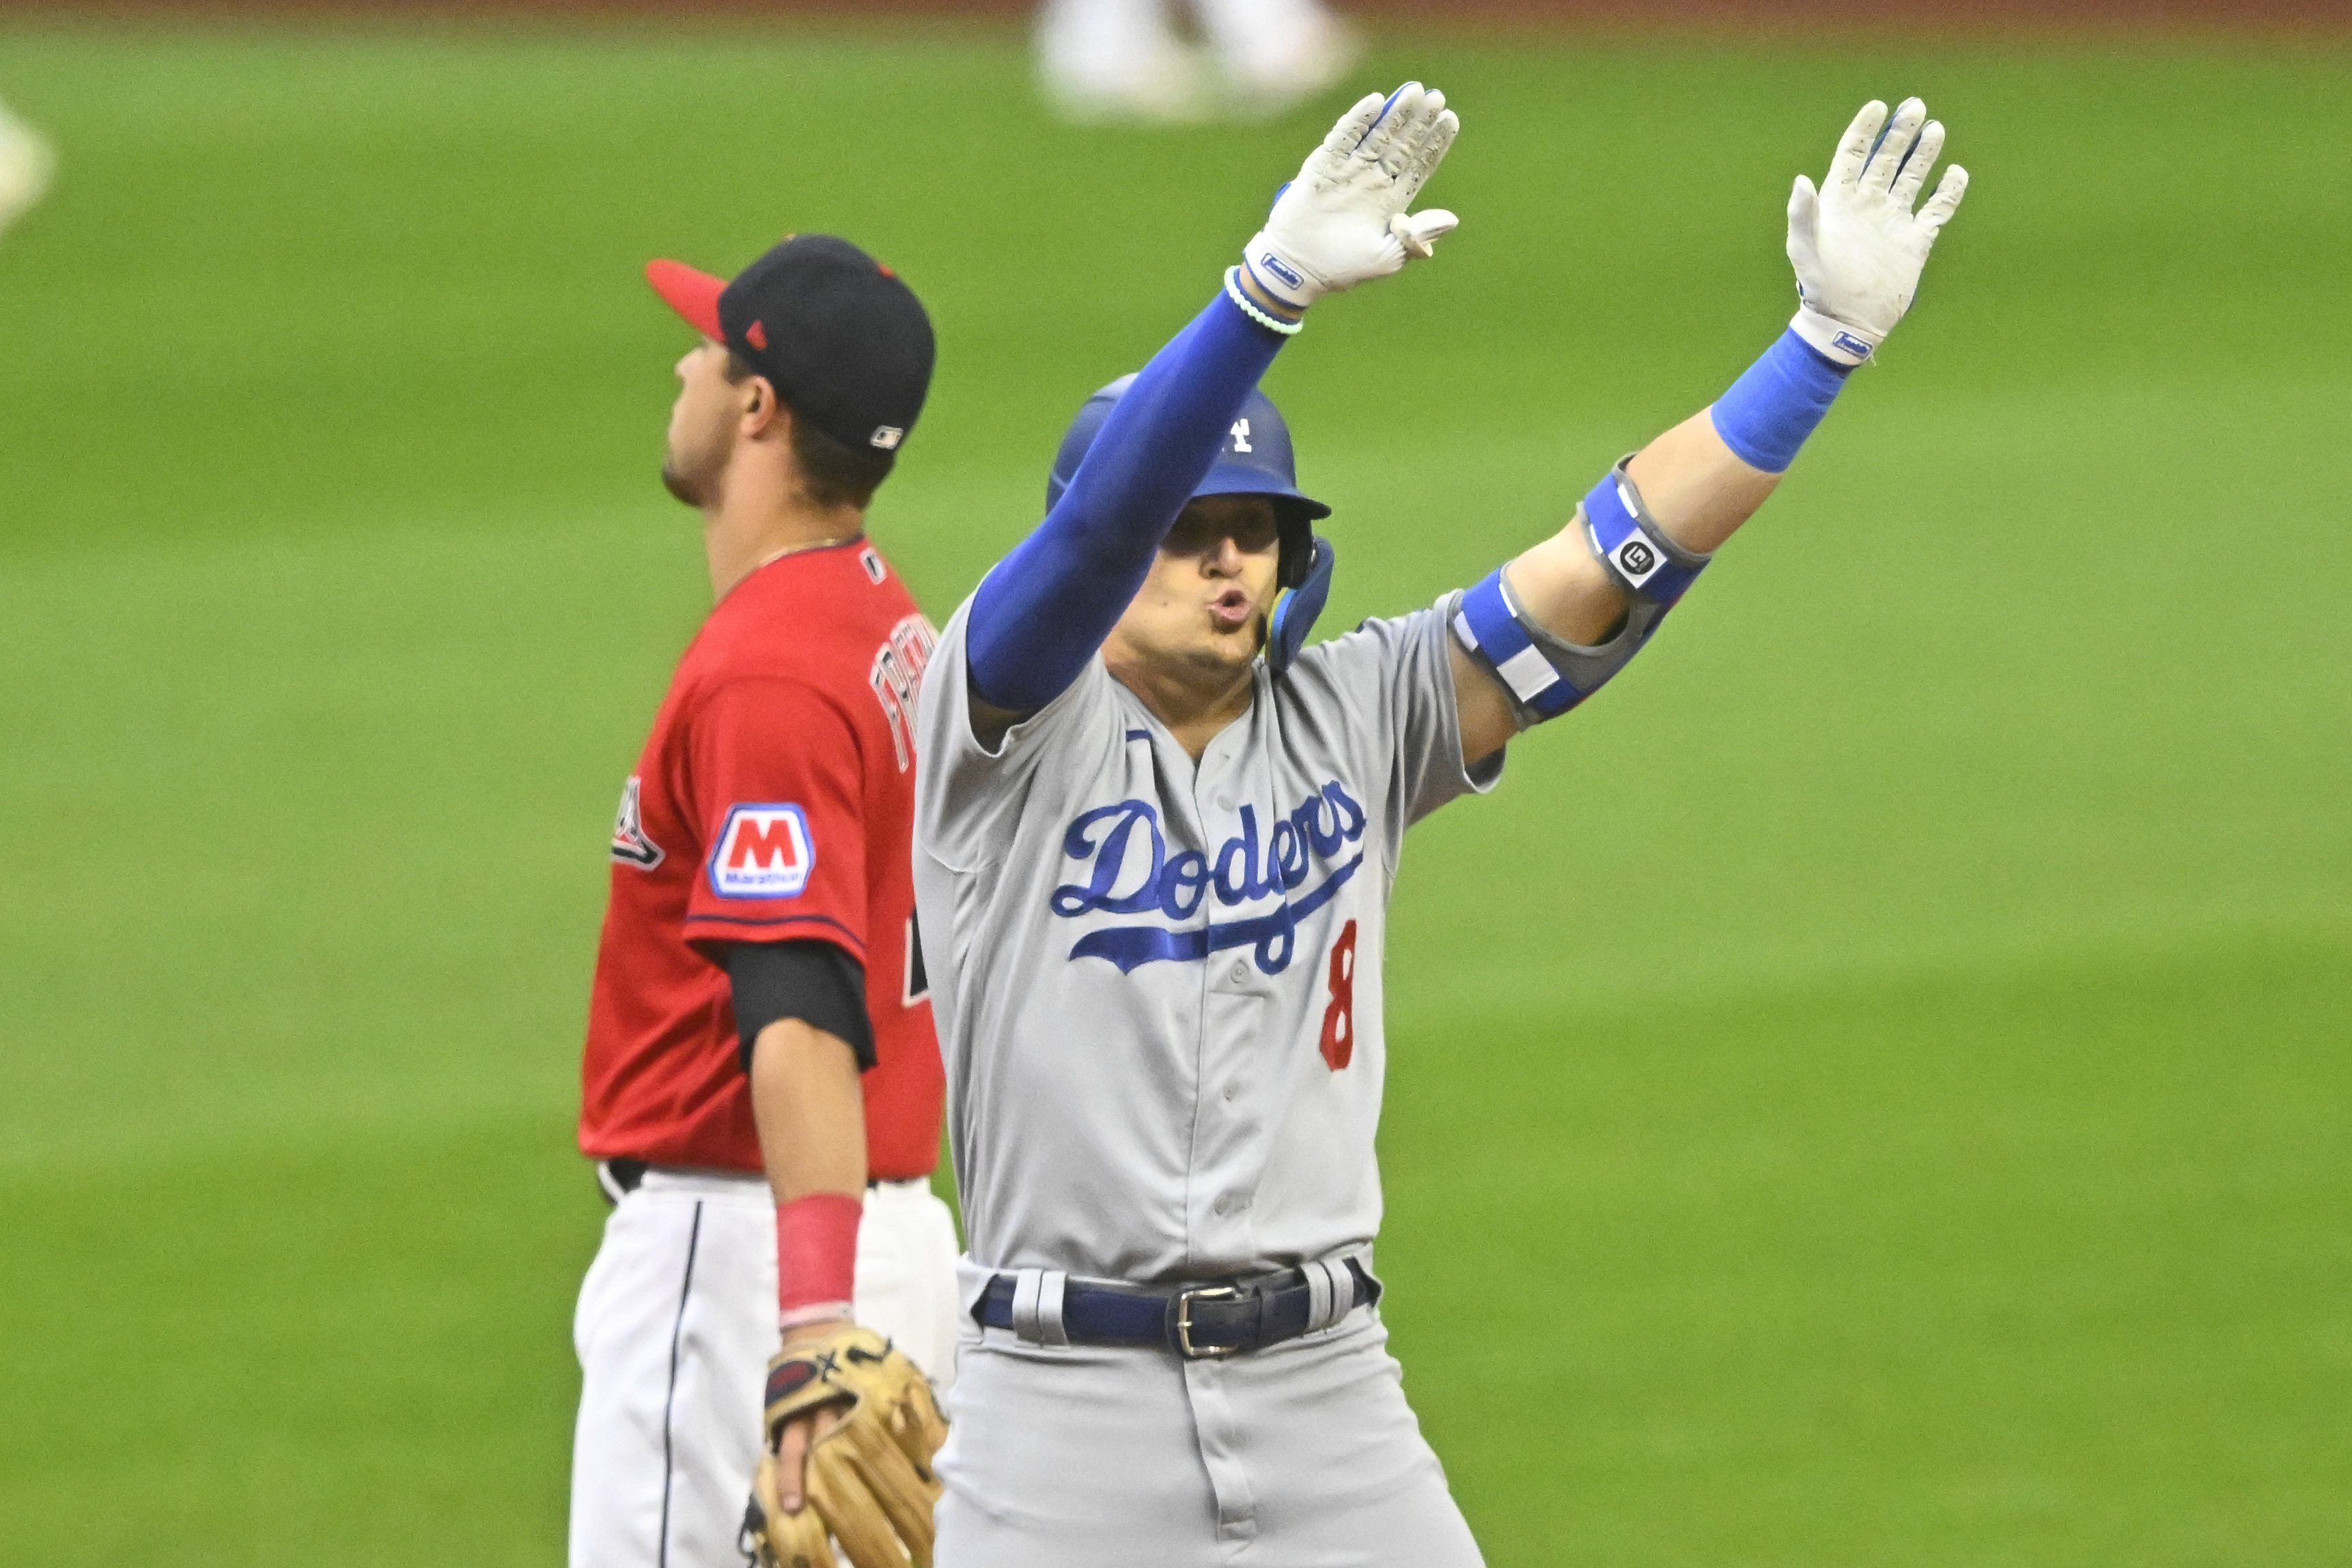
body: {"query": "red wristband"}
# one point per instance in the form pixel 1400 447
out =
pixel 816 1250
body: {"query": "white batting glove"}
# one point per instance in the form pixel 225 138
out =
pixel 1856 245
pixel 1343 219
pixel 26 162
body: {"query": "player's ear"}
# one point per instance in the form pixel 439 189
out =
pixel 762 409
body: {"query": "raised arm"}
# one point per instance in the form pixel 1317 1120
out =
pixel 1546 631
pixel 1045 609
pixel 1048 606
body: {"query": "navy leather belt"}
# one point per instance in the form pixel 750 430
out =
pixel 1199 1322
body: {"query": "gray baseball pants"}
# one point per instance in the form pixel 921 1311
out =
pixel 1304 1455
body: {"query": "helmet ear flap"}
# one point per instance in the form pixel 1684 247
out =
pixel 1298 548
pixel 1295 616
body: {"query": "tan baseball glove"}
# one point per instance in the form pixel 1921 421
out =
pixel 870 1485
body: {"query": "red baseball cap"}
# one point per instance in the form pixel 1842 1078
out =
pixel 840 336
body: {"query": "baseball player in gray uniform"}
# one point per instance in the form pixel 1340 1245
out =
pixel 1155 837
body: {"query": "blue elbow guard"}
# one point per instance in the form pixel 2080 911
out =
pixel 1645 562
pixel 1547 675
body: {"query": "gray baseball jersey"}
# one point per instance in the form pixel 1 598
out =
pixel 1157 984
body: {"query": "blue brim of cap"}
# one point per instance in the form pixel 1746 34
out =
pixel 1237 479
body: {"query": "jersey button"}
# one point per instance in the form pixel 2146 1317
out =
pixel 1222 1206
pixel 1232 1090
pixel 1241 970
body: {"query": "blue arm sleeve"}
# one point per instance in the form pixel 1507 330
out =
pixel 1048 606
pixel 1770 411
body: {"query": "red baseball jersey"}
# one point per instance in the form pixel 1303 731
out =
pixel 773 803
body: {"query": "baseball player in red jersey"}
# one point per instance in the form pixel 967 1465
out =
pixel 758 949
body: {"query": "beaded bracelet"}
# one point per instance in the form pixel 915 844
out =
pixel 1271 322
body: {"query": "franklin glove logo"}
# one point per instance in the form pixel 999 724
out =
pixel 1274 265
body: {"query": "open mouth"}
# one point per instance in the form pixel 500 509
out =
pixel 1231 610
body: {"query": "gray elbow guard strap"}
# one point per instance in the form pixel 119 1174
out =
pixel 1545 675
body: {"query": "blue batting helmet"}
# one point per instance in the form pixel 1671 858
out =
pixel 1255 460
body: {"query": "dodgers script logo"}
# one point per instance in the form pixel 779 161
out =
pixel 763 852
pixel 1124 881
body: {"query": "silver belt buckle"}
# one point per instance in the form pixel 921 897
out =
pixel 1185 1299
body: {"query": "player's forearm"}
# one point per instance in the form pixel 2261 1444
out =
pixel 1644 532
pixel 810 1108
pixel 1048 606
pixel 1697 490
pixel 1697 487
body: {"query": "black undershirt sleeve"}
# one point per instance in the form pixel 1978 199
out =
pixel 815 981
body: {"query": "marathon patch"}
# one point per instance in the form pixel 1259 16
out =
pixel 630 845
pixel 763 852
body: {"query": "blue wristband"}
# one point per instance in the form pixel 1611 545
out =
pixel 1770 411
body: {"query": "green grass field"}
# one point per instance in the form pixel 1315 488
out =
pixel 1871 1090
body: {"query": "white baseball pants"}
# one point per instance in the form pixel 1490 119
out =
pixel 676 1325
pixel 1304 1455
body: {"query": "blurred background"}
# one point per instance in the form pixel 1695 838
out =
pixel 1872 1089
